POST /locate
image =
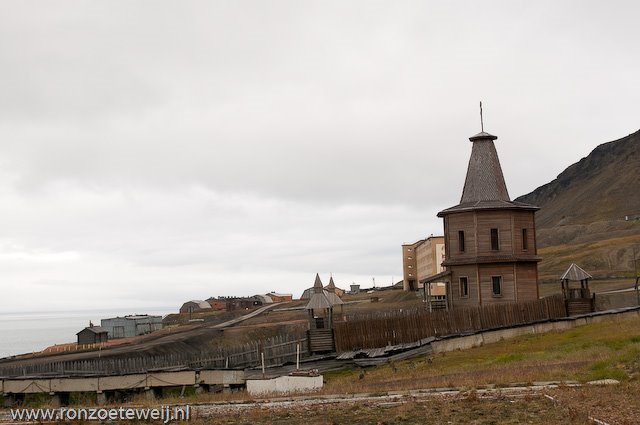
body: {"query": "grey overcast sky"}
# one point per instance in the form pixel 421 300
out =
pixel 153 152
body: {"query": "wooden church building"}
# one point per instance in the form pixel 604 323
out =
pixel 490 240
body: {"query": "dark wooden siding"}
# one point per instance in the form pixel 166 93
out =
pixel 464 222
pixel 470 272
pixel 524 220
pixel 527 281
pixel 487 271
pixel 500 220
pixel 86 336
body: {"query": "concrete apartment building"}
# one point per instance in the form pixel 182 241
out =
pixel 420 260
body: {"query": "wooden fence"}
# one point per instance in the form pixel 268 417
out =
pixel 399 327
pixel 277 351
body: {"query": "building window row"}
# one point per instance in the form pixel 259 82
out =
pixel 495 240
pixel 496 286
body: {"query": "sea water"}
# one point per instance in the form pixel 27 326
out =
pixel 28 332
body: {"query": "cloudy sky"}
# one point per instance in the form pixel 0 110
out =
pixel 153 152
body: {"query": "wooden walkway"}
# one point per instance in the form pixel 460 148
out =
pixel 237 320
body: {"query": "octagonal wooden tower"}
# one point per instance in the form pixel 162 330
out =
pixel 490 242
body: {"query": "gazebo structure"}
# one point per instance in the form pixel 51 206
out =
pixel 320 310
pixel 578 300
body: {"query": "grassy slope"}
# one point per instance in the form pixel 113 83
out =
pixel 601 258
pixel 596 351
pixel 582 215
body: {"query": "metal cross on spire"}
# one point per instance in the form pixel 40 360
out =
pixel 481 122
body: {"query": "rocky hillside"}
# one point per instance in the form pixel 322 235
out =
pixel 591 212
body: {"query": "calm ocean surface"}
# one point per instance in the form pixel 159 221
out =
pixel 26 332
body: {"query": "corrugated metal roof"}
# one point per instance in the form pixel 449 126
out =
pixel 266 299
pixel 575 272
pixel 307 293
pixel 200 303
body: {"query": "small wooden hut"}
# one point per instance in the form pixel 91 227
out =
pixel 320 310
pixel 578 300
pixel 92 335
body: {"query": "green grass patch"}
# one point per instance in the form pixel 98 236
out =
pixel 604 370
pixel 509 358
pixel 608 349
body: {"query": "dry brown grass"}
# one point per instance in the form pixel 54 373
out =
pixel 602 350
pixel 614 404
pixel 468 409
pixel 601 258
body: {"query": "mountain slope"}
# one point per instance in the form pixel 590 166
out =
pixel 588 203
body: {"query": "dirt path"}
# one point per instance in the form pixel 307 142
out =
pixel 245 317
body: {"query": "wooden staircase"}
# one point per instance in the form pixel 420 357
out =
pixel 321 340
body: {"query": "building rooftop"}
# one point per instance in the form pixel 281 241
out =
pixel 318 299
pixel 484 186
pixel 331 293
pixel 94 329
pixel 200 303
pixel 575 272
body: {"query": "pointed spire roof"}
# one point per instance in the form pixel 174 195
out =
pixel 331 293
pixel 484 186
pixel 575 272
pixel 485 181
pixel 319 299
pixel 331 286
pixel 317 285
